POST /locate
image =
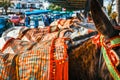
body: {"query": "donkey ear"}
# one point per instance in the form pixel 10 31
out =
pixel 102 23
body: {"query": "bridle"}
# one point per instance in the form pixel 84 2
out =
pixel 110 56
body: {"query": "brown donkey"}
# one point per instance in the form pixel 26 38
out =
pixel 87 61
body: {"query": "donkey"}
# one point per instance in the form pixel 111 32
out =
pixel 86 59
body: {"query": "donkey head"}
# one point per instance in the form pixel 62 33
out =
pixel 101 21
pixel 111 43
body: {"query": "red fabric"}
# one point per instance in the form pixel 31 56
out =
pixel 58 66
pixel 96 40
pixel 89 31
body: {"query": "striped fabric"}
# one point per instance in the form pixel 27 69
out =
pixel 33 34
pixel 7 67
pixel 66 24
pixel 63 23
pixel 46 60
pixel 17 46
pixel 52 35
pixel 36 34
pixel 34 64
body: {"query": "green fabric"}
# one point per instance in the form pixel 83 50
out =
pixel 115 41
pixel 109 65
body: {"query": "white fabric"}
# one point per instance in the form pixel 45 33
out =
pixel 2 42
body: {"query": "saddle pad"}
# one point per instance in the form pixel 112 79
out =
pixel 33 34
pixel 60 34
pixel 47 60
pixel 50 36
pixel 17 46
pixel 36 34
pixel 67 24
pixel 7 67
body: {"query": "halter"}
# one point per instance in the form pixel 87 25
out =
pixel 110 57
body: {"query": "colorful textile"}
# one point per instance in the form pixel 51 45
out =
pixel 46 60
pixel 52 35
pixel 67 24
pixel 63 24
pixel 33 34
pixel 17 46
pixel 7 67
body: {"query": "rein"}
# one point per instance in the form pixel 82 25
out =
pixel 110 56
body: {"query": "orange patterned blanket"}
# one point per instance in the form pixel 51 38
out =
pixel 46 60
